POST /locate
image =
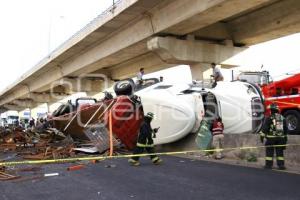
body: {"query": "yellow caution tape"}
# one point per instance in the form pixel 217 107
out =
pixel 67 160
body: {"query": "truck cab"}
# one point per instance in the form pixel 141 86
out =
pixel 10 118
pixel 284 92
pixel 262 78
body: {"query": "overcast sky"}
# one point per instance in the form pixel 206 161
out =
pixel 28 27
pixel 278 56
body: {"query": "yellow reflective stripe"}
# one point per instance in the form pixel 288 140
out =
pixel 280 158
pixel 140 145
pixel 269 158
pixel 262 134
pixel 274 136
pixel 144 145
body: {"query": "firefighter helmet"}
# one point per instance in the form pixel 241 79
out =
pixel 274 107
pixel 150 115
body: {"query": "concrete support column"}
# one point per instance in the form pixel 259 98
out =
pixel 48 108
pixel 198 71
pixel 172 50
pixel 197 54
pixel 102 86
pixel 110 83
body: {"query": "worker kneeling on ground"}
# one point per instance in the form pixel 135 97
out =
pixel 145 141
pixel 274 130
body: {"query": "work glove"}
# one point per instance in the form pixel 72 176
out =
pixel 155 130
pixel 262 139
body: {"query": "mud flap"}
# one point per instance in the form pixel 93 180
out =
pixel 204 137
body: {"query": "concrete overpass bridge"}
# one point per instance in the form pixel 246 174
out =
pixel 154 34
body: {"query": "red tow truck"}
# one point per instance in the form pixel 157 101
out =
pixel 285 92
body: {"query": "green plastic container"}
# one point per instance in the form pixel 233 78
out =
pixel 204 137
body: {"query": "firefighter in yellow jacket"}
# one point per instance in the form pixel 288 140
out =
pixel 274 131
pixel 145 141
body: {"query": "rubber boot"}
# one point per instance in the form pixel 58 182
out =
pixel 156 161
pixel 133 162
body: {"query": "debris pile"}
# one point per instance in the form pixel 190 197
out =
pixel 50 143
pixel 17 144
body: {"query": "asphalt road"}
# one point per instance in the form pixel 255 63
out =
pixel 177 178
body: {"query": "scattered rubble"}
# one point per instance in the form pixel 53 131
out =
pixel 6 177
pixel 75 167
pixel 50 143
pixel 17 144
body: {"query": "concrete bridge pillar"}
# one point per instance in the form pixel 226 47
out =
pixel 197 54
pixel 165 52
pixel 198 70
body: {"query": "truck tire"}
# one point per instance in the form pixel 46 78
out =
pixel 124 87
pixel 292 118
pixel 65 109
pixel 57 111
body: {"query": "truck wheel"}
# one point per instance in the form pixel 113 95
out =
pixel 57 111
pixel 124 87
pixel 65 109
pixel 292 118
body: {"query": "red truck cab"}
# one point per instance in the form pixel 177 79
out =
pixel 285 92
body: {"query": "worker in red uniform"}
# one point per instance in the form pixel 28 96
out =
pixel 218 137
pixel 275 132
pixel 145 142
